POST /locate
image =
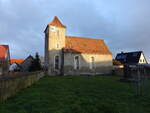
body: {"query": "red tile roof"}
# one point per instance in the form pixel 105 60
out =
pixel 18 61
pixel 56 22
pixel 3 52
pixel 85 45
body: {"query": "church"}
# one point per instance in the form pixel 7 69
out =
pixel 71 55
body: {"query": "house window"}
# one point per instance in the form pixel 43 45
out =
pixel 143 60
pixel 140 60
pixel 135 54
pixel 124 56
pixel 92 63
pixel 76 62
pixel 56 63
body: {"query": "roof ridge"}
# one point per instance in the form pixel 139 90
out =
pixel 16 59
pixel 129 52
pixel 85 38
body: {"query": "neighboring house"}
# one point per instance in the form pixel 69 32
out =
pixel 117 64
pixel 70 55
pixel 15 65
pixel 136 57
pixel 26 64
pixel 4 58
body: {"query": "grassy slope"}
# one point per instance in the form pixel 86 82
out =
pixel 77 94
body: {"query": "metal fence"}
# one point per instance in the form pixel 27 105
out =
pixel 138 75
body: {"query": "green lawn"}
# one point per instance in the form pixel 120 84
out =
pixel 77 94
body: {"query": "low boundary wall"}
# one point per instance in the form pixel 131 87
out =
pixel 10 85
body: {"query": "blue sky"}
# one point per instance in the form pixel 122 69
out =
pixel 123 24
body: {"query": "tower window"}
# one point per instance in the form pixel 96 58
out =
pixel 76 62
pixel 56 63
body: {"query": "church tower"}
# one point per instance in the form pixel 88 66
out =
pixel 54 43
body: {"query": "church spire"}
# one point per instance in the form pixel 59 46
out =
pixel 56 22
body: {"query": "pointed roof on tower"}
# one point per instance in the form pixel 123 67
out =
pixel 56 22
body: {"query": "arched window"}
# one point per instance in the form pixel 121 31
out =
pixel 92 63
pixel 76 62
pixel 56 63
pixel 57 45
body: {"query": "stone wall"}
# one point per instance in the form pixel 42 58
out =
pixel 10 85
pixel 52 54
pixel 102 64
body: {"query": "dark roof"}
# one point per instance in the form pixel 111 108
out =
pixel 29 57
pixel 129 57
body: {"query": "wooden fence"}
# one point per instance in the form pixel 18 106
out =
pixel 10 85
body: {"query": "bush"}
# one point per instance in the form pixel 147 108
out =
pixel 35 65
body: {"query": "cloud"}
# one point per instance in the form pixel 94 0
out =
pixel 123 24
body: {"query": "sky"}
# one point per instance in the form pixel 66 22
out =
pixel 123 24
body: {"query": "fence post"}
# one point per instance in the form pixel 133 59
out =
pixel 138 82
